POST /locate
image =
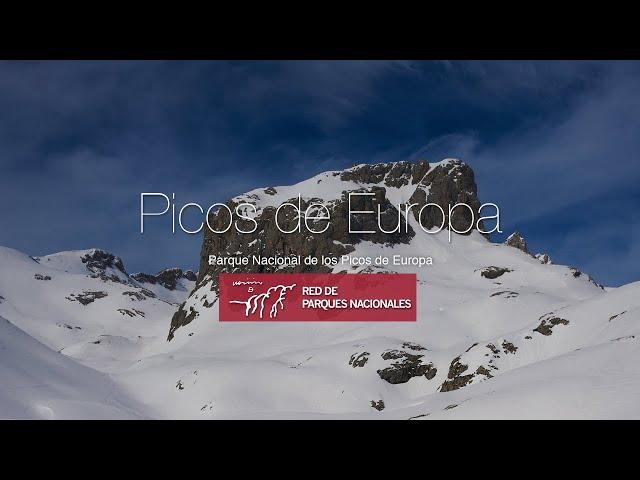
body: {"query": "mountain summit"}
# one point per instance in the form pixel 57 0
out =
pixel 392 185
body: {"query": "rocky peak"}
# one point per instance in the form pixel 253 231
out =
pixel 98 261
pixel 393 185
pixel 395 174
pixel 168 277
pixel 105 266
pixel 544 258
pixel 397 183
pixel 517 241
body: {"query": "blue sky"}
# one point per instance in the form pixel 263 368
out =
pixel 555 144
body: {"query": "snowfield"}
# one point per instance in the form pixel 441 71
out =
pixel 499 335
pixel 38 382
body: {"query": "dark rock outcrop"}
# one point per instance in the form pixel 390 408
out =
pixel 548 322
pixel 168 278
pixel 405 367
pixel 86 297
pixel 413 346
pixel 98 262
pixel 180 318
pixel 359 360
pixel 446 185
pixel 131 312
pixel 543 258
pixel 516 240
pixel 457 376
pixel 140 296
pixel 397 174
pixel 612 317
pixel 509 347
pixel 494 272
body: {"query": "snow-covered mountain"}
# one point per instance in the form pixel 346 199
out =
pixel 75 302
pixel 500 333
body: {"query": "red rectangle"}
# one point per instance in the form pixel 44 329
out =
pixel 323 297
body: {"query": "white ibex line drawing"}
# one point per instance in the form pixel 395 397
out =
pixel 252 303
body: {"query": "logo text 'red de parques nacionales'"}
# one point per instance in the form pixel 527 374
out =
pixel 317 297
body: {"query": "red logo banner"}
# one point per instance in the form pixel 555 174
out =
pixel 311 297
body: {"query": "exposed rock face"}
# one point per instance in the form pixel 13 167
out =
pixel 98 262
pixel 494 272
pixel 455 378
pixel 405 366
pixel 140 296
pixel 359 360
pixel 168 278
pixel 86 297
pixel 444 184
pixel 509 347
pixel 145 278
pixel 612 317
pixel 396 174
pixel 458 375
pixel 548 322
pixel 413 346
pixel 184 316
pixel 268 240
pixel 543 258
pixel 516 240
pixel 479 363
pixel 131 312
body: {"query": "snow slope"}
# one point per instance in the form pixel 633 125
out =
pixel 228 370
pixel 40 383
pixel 538 340
pixel 61 303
